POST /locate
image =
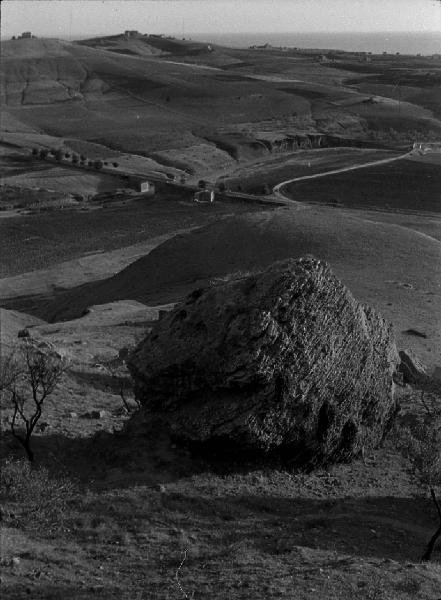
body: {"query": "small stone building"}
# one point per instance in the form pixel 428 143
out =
pixel 204 196
pixel 142 186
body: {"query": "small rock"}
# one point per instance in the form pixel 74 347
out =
pixel 161 488
pixel 412 368
pixel 15 561
pixel 43 426
pixel 73 415
pixel 23 333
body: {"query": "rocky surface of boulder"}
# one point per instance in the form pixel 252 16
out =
pixel 282 361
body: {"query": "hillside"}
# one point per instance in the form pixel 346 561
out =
pixel 180 102
pixel 377 261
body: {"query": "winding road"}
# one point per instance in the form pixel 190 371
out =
pixel 277 190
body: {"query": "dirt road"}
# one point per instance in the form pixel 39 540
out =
pixel 279 194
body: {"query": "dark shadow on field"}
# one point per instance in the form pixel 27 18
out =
pixel 32 304
pixel 106 460
pixel 101 381
pixel 381 527
pixel 256 514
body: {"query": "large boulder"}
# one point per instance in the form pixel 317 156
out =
pixel 281 361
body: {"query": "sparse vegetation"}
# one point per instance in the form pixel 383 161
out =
pixel 421 444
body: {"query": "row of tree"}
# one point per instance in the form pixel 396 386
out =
pixel 76 159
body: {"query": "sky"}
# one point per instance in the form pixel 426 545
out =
pixel 79 18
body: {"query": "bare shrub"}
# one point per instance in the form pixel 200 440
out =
pixel 28 377
pixel 121 381
pixel 421 445
pixel 37 499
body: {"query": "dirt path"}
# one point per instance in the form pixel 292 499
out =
pixel 277 189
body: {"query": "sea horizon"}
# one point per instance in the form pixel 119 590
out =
pixel 425 43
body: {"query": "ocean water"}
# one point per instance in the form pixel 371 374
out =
pixel 405 43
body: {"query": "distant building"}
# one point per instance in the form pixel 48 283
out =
pixel 26 35
pixel 131 33
pixel 144 187
pixel 204 196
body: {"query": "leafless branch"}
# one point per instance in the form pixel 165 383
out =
pixel 178 583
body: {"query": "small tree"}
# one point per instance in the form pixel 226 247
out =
pixel 43 153
pixel 115 164
pixel 202 184
pixel 34 151
pixel 98 164
pixel 75 158
pixel 421 445
pixel 58 155
pixel 83 158
pixel 27 379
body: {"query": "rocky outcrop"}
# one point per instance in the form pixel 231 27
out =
pixel 282 361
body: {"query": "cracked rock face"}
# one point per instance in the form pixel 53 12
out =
pixel 284 361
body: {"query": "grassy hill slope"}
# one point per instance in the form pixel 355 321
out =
pixel 151 95
pixel 377 261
